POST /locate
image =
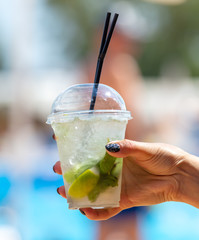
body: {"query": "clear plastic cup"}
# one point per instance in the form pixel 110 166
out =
pixel 92 178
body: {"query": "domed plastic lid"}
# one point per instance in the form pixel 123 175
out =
pixel 75 102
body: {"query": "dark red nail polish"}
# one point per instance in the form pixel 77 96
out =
pixel 58 191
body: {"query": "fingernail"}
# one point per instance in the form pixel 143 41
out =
pixel 54 168
pixel 113 147
pixel 58 191
pixel 82 212
pixel 54 137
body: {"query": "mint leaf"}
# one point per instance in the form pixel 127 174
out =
pixel 106 164
pixel 104 182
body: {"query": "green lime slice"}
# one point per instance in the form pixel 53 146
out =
pixel 84 183
pixel 74 172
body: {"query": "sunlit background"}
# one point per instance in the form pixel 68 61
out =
pixel 44 45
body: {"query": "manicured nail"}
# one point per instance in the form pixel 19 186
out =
pixel 58 191
pixel 54 137
pixel 54 168
pixel 113 147
pixel 82 212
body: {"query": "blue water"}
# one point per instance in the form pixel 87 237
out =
pixel 41 214
pixel 30 204
pixel 33 207
pixel 46 216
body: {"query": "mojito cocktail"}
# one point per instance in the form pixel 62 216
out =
pixel 92 177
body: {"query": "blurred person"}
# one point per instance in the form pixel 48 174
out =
pixel 153 173
pixel 121 72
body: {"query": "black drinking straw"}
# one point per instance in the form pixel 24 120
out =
pixel 103 49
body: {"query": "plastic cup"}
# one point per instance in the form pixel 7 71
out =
pixel 92 178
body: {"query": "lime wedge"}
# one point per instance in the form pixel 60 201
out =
pixel 76 171
pixel 84 183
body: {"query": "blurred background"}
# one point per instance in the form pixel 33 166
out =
pixel 48 45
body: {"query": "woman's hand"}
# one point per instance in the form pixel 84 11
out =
pixel 152 173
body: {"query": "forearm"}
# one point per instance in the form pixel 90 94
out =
pixel 189 180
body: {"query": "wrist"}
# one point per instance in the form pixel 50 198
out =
pixel 188 171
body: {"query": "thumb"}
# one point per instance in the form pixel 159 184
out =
pixel 134 149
